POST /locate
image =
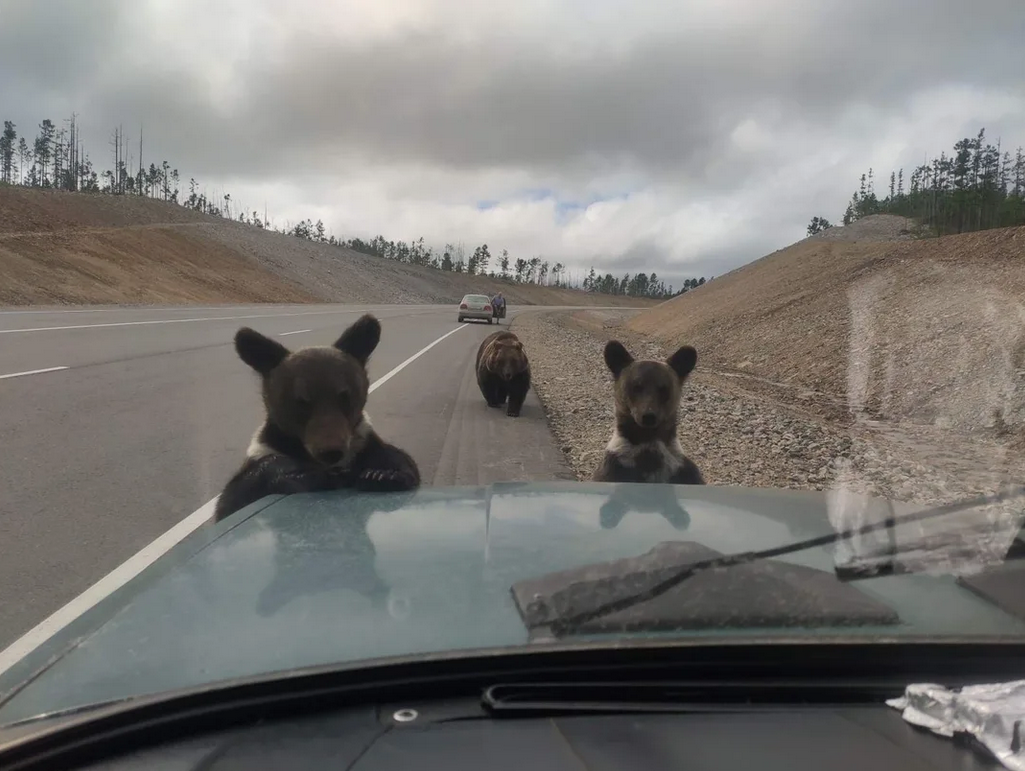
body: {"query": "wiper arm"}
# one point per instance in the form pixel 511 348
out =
pixel 570 623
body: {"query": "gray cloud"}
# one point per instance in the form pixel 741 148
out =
pixel 671 99
pixel 561 100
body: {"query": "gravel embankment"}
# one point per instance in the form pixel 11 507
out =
pixel 738 437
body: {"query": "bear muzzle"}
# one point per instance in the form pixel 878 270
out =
pixel 334 447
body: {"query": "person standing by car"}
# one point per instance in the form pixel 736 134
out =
pixel 498 303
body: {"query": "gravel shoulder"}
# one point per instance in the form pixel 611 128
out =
pixel 752 433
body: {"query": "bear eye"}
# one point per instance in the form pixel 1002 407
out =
pixel 663 393
pixel 344 401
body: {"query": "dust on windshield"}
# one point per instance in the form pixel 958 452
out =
pixel 740 276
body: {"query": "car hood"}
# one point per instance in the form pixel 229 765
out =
pixel 318 579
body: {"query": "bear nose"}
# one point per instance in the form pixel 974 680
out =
pixel 330 457
pixel 648 419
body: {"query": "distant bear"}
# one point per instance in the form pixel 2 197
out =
pixel 316 435
pixel 644 445
pixel 503 371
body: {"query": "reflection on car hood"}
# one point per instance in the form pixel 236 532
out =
pixel 319 579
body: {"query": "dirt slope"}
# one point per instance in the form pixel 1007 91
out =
pixel 921 330
pixel 61 248
pixel 135 265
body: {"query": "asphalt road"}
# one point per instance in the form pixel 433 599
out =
pixel 152 411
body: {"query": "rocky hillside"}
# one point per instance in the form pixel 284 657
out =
pixel 61 248
pixel 869 319
pixel 865 359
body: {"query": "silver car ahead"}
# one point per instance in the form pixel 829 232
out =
pixel 476 306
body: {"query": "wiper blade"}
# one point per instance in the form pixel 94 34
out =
pixel 570 623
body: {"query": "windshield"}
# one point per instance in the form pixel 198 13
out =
pixel 761 277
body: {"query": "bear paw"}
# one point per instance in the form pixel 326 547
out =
pixel 385 480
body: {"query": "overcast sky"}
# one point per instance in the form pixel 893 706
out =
pixel 686 138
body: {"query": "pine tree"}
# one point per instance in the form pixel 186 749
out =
pixel 7 146
pixel 24 156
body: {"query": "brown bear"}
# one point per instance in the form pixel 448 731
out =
pixel 503 371
pixel 644 445
pixel 316 435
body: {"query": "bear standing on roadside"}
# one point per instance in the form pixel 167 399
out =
pixel 316 435
pixel 503 371
pixel 644 445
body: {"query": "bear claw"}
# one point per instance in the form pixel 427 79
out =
pixel 385 479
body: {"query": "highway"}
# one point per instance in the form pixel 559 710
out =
pixel 117 424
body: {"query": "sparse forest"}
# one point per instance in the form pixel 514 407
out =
pixel 977 187
pixel 58 160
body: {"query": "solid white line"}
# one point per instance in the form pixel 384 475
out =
pixel 32 372
pixel 194 308
pixel 175 321
pixel 381 381
pixel 140 309
pixel 297 332
pixel 104 587
pixel 138 562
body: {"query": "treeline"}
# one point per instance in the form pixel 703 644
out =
pixel 976 187
pixel 57 159
pixel 481 262
pixel 638 285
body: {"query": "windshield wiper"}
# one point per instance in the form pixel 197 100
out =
pixel 570 623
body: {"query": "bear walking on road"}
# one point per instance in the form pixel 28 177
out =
pixel 644 445
pixel 316 435
pixel 503 371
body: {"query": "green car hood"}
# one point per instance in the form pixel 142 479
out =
pixel 338 578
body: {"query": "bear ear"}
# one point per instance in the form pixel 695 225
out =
pixel 360 340
pixel 683 361
pixel 617 358
pixel 259 352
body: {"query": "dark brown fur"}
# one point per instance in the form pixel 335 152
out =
pixel 644 445
pixel 316 435
pixel 503 371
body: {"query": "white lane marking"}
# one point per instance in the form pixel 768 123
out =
pixel 32 372
pixel 138 562
pixel 110 583
pixel 381 381
pixel 176 321
pixel 296 332
pixel 140 309
pixel 192 308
